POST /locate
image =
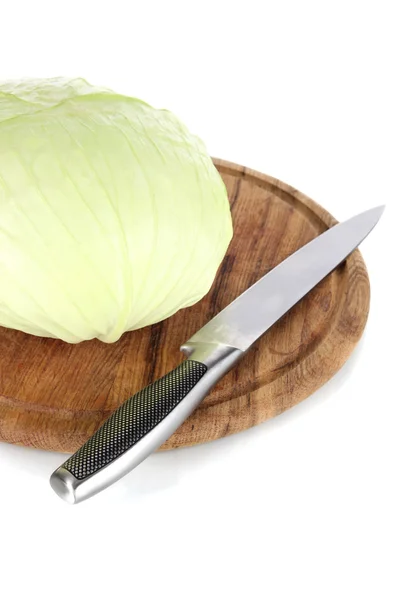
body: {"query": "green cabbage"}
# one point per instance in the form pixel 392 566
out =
pixel 112 215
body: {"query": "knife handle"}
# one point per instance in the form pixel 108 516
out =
pixel 142 423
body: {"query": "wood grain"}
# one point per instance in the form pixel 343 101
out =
pixel 54 395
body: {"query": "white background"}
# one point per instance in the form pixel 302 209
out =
pixel 304 506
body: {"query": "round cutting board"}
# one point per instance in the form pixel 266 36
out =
pixel 55 395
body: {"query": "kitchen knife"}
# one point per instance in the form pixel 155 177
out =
pixel 147 419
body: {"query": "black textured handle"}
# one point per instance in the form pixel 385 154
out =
pixel 134 419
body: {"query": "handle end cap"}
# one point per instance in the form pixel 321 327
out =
pixel 64 485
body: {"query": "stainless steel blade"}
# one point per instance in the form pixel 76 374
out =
pixel 243 321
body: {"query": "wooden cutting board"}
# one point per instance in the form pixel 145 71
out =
pixel 54 395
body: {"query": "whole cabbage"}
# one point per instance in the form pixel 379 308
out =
pixel 112 215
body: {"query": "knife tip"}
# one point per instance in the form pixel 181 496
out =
pixel 371 216
pixel 380 209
